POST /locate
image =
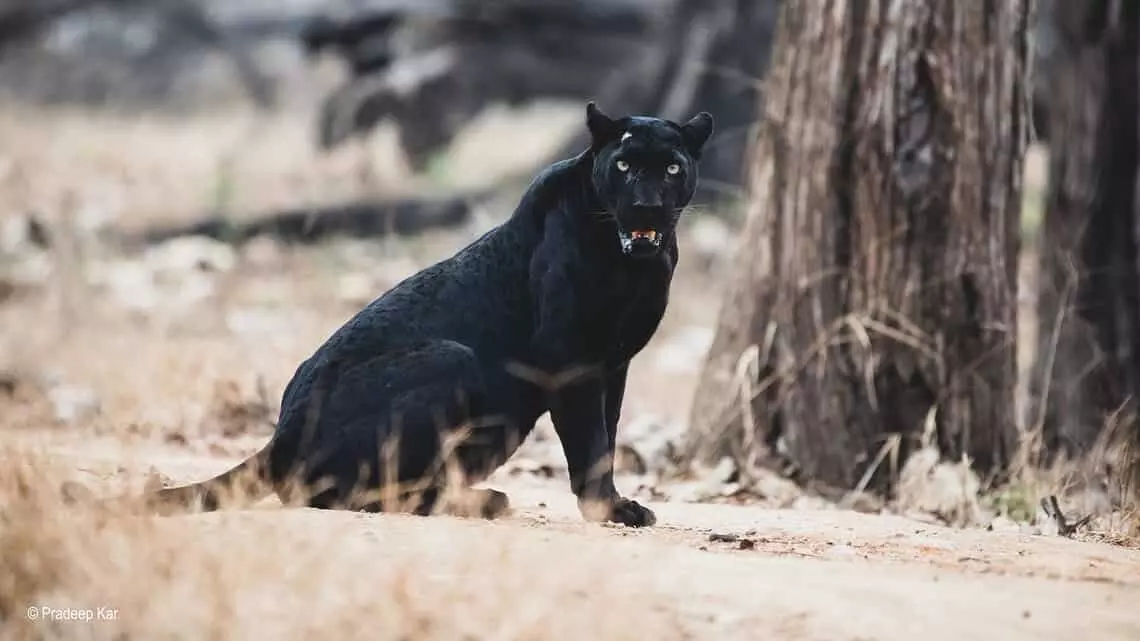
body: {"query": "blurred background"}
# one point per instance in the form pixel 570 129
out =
pixel 194 193
pixel 399 86
pixel 908 297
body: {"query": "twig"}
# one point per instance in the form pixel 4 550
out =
pixel 1053 511
pixel 891 447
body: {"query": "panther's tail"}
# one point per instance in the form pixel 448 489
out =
pixel 243 484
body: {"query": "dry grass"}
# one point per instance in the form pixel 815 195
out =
pixel 1130 480
pixel 269 576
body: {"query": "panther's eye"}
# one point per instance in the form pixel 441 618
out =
pixel 622 166
pixel 673 169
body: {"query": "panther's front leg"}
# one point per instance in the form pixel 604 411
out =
pixel 614 394
pixel 581 415
pixel 576 394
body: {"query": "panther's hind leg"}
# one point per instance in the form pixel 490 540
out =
pixel 388 436
pixel 468 502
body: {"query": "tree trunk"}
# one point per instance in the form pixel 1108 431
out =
pixel 877 279
pixel 1087 364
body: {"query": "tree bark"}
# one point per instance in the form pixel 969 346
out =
pixel 877 279
pixel 1088 366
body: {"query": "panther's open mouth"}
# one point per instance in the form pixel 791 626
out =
pixel 639 238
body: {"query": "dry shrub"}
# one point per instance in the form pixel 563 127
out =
pixel 32 555
pixel 299 574
pixel 943 489
pixel 1130 476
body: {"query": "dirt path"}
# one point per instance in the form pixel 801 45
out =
pixel 705 572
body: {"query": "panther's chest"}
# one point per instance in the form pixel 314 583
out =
pixel 624 311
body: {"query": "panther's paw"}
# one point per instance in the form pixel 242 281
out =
pixel 618 510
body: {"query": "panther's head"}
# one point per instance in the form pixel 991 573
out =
pixel 645 173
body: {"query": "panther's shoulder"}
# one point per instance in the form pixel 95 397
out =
pixel 554 187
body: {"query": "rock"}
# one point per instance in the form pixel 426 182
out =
pixel 263 251
pixel 191 253
pixel 176 274
pixel 773 487
pixel 21 234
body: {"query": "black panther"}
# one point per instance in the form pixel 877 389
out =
pixel 450 369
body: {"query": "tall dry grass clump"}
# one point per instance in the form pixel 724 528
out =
pixel 1130 476
pixel 296 574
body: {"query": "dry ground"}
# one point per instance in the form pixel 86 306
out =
pixel 116 367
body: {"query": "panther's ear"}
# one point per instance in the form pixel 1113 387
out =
pixel 697 131
pixel 603 129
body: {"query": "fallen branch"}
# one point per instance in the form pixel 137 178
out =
pixel 1053 511
pixel 307 225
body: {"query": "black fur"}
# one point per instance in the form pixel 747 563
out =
pixel 542 313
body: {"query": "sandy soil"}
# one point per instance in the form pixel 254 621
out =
pixel 706 571
pixel 102 388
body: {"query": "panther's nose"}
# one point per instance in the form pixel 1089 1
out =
pixel 648 198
